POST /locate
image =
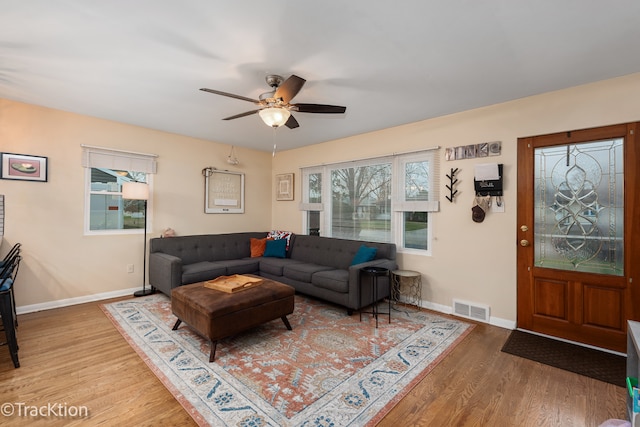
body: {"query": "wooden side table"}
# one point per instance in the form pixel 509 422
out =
pixel 374 273
pixel 411 282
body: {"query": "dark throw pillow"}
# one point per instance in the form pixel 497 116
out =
pixel 364 254
pixel 276 248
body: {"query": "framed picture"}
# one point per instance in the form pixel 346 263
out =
pixel 284 186
pixel 23 167
pixel 224 191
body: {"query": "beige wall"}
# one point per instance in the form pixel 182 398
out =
pixel 60 263
pixel 473 261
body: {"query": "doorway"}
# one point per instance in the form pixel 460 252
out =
pixel 578 235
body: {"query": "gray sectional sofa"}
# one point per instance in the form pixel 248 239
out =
pixel 313 265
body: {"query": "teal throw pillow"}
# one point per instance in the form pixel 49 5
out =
pixel 364 254
pixel 276 248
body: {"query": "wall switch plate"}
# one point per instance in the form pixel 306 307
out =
pixel 497 204
pixel 129 268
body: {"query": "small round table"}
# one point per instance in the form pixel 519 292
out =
pixel 373 273
pixel 411 282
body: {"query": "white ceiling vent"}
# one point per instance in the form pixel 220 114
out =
pixel 471 310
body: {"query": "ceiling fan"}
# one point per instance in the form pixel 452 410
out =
pixel 275 107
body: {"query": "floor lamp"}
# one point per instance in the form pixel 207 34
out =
pixel 140 191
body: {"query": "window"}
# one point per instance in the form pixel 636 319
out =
pixel 361 202
pixel 415 197
pixel 312 201
pixel 386 199
pixel 106 212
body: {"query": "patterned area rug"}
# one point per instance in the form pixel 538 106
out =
pixel 330 370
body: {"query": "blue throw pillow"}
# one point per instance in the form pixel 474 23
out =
pixel 364 254
pixel 276 248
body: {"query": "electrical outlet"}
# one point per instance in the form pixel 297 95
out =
pixel 129 268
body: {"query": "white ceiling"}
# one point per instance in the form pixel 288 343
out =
pixel 389 62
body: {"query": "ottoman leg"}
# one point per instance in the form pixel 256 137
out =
pixel 212 355
pixel 176 325
pixel 286 322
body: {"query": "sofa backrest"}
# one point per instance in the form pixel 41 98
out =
pixel 206 247
pixel 337 253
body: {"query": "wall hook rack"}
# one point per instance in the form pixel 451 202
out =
pixel 452 181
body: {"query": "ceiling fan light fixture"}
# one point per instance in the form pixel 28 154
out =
pixel 274 116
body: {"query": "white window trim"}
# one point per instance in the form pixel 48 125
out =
pixel 305 206
pixel 113 159
pixel 398 206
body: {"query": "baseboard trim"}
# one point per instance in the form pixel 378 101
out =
pixel 495 321
pixel 73 301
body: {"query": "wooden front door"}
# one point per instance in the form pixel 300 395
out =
pixel 578 235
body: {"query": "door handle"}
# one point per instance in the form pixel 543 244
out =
pixel 524 242
pixel 524 228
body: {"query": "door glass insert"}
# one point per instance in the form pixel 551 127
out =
pixel 579 207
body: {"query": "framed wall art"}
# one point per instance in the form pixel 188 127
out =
pixel 23 167
pixel 284 186
pixel 224 191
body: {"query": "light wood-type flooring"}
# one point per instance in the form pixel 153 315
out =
pixel 73 356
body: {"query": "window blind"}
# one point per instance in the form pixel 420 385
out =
pixel 107 158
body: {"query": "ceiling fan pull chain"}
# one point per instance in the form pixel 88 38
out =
pixel 273 154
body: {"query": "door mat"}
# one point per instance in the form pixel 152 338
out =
pixel 597 364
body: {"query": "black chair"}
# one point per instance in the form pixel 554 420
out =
pixel 6 271
pixel 15 250
pixel 7 305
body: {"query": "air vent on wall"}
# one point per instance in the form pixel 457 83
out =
pixel 471 310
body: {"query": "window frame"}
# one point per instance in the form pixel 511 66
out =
pixel 398 205
pixel 116 160
pixel 88 192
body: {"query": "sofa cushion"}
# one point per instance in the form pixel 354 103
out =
pixel 243 266
pixel 276 248
pixel 258 246
pixel 201 271
pixel 275 266
pixel 303 271
pixel 364 254
pixel 335 280
pixel 337 253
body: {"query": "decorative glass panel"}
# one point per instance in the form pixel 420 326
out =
pixel 579 207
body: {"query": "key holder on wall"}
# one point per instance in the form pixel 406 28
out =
pixel 452 181
pixel 488 179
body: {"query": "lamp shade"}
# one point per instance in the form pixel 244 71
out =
pixel 274 116
pixel 135 190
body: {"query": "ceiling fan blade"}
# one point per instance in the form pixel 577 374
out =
pixel 289 88
pixel 319 108
pixel 292 123
pixel 237 116
pixel 230 95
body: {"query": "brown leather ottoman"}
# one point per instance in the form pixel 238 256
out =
pixel 216 314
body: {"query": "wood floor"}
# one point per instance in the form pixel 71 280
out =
pixel 73 356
